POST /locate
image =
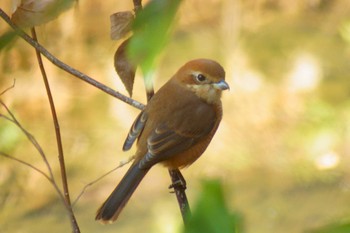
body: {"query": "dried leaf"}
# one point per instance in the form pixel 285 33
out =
pixel 30 13
pixel 124 67
pixel 121 24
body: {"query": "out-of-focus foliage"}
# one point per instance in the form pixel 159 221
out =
pixel 6 39
pixel 321 29
pixel 211 213
pixel 151 31
pixel 282 148
pixel 339 227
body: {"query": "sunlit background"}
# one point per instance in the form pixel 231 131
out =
pixel 282 150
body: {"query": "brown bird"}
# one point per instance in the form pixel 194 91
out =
pixel 174 129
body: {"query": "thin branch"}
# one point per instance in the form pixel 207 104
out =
pixel 121 164
pixel 37 146
pixel 28 135
pixel 26 164
pixel 58 138
pixel 9 88
pixel 66 67
pixel 179 185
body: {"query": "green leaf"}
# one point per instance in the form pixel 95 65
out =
pixel 6 39
pixel 339 227
pixel 151 31
pixel 211 213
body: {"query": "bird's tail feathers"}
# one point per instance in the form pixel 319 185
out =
pixel 111 208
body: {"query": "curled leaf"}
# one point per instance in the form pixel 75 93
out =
pixel 124 67
pixel 30 13
pixel 121 24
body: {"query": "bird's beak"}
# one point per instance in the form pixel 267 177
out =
pixel 222 85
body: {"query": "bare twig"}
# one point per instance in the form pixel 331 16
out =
pixel 58 139
pixel 179 185
pixel 26 164
pixel 30 137
pixel 122 163
pixel 9 88
pixel 37 146
pixel 66 67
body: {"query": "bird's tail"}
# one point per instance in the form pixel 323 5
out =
pixel 111 208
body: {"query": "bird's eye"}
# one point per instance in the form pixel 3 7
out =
pixel 201 78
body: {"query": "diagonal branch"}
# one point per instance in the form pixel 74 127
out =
pixel 26 164
pixel 66 67
pixel 9 88
pixel 121 164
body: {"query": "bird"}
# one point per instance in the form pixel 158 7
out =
pixel 174 129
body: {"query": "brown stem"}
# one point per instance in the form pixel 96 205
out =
pixel 101 177
pixel 178 181
pixel 58 138
pixel 137 5
pixel 149 93
pixel 9 88
pixel 37 146
pixel 179 185
pixel 67 68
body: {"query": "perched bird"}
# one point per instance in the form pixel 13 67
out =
pixel 174 129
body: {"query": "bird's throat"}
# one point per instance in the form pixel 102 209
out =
pixel 206 92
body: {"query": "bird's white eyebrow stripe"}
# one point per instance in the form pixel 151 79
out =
pixel 195 73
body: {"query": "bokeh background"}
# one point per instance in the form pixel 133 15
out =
pixel 282 151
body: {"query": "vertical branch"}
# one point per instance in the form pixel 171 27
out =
pixel 147 79
pixel 137 5
pixel 179 185
pixel 58 138
pixel 178 181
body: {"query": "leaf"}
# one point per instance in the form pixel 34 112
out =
pixel 151 29
pixel 32 13
pixel 337 227
pixel 7 38
pixel 211 214
pixel 124 67
pixel 121 24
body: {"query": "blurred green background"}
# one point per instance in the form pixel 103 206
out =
pixel 282 151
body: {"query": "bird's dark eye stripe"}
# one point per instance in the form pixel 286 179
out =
pixel 201 77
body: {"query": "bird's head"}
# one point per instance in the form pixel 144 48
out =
pixel 204 77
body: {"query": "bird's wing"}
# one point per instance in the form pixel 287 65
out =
pixel 165 142
pixel 135 130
